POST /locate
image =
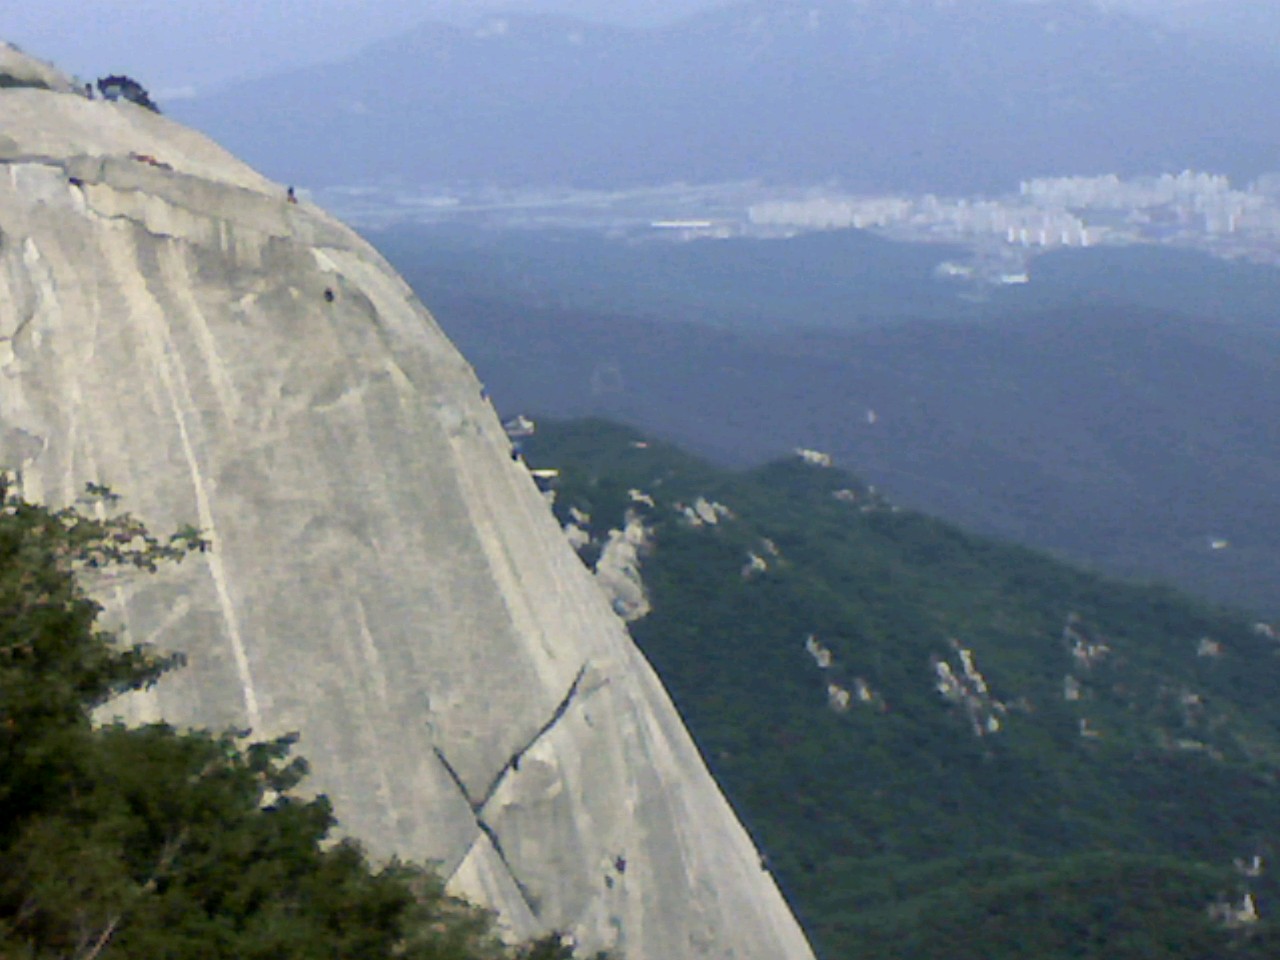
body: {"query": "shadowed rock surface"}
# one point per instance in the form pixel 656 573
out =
pixel 384 577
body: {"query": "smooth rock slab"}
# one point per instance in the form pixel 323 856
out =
pixel 384 577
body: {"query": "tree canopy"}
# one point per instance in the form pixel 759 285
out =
pixel 946 746
pixel 120 87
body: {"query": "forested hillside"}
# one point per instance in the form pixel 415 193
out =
pixel 948 746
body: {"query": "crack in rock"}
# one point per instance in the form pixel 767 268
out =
pixel 513 763
pixel 526 895
pixel 457 780
pixel 81 180
pixel 529 900
pixel 477 805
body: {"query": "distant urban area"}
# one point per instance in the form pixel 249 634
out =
pixel 1193 210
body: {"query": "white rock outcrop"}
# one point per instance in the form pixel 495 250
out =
pixel 384 577
pixel 704 512
pixel 618 568
pixel 815 458
pixel 967 688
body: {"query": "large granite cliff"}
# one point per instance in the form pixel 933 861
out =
pixel 384 577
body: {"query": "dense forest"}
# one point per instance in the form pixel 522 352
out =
pixel 948 746
pixel 155 843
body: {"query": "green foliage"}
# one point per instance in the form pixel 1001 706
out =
pixel 120 87
pixel 55 664
pixel 1104 906
pixel 150 842
pixel 893 828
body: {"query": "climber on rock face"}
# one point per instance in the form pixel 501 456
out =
pixel 291 196
pixel 328 295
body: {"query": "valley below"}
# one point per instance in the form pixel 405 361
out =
pixel 946 746
pixel 1118 411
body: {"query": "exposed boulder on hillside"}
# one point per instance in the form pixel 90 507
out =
pixel 384 576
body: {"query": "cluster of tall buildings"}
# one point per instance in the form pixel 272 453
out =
pixel 1189 209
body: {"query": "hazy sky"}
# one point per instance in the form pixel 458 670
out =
pixel 174 44
pixel 169 44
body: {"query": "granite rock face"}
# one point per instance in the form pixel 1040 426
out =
pixel 385 578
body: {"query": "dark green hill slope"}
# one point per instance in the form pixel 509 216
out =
pixel 949 746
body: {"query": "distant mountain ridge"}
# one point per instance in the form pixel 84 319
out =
pixel 882 94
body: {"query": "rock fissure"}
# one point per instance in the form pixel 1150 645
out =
pixel 529 899
pixel 514 762
pixel 132 221
pixel 19 328
pixel 456 778
pixel 487 829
